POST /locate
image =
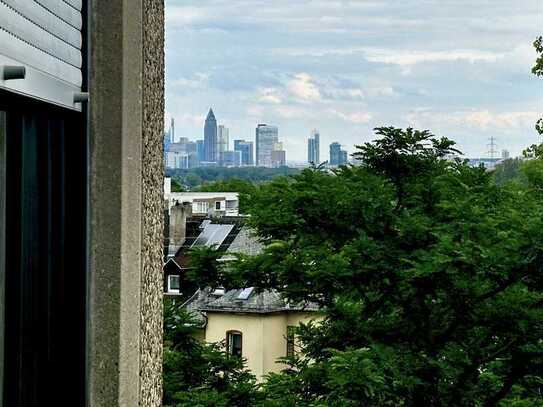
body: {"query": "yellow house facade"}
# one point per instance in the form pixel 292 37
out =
pixel 254 325
pixel 264 337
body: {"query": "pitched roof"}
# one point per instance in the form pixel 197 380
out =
pixel 247 300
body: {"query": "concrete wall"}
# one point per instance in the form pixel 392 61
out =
pixel 126 76
pixel 264 336
pixel 152 204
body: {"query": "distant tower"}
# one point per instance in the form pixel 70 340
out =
pixel 338 156
pixel 210 137
pixel 246 149
pixel 223 142
pixel 492 148
pixel 313 148
pixel 265 140
pixel 172 131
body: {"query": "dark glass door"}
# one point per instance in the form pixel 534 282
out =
pixel 44 266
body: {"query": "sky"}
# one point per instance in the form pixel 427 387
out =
pixel 459 68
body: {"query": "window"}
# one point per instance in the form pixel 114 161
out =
pixel 291 335
pixel 43 186
pixel 174 284
pixel 200 207
pixel 231 204
pixel 234 342
pixel 218 205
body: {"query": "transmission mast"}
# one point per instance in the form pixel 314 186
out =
pixel 492 148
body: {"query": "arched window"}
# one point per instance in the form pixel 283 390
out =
pixel 234 343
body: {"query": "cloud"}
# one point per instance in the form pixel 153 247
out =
pixel 270 95
pixel 485 119
pixel 303 87
pixel 480 119
pixel 356 118
pixel 413 57
pixel 339 65
pixel 197 81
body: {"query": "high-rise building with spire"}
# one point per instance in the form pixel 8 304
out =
pixel 210 137
pixel 313 148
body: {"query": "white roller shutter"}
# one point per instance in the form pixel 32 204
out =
pixel 45 37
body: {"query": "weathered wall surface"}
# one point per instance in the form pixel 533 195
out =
pixel 126 82
pixel 152 200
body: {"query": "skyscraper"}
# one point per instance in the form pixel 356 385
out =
pixel 278 156
pixel 200 149
pixel 210 137
pixel 223 142
pixel 266 138
pixel 338 156
pixel 313 148
pixel 169 136
pixel 246 149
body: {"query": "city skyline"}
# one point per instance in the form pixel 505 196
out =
pixel 346 67
pixel 240 152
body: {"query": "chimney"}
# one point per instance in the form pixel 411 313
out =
pixel 178 226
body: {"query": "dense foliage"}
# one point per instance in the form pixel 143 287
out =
pixel 198 374
pixel 196 177
pixel 430 272
pixel 509 170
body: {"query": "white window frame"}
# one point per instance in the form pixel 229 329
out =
pixel 174 290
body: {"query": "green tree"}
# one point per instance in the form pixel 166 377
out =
pixel 509 170
pixel 198 373
pixel 429 272
pixel 538 71
pixel 536 150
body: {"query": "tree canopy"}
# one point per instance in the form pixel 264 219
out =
pixel 429 272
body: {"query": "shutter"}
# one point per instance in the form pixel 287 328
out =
pixel 45 37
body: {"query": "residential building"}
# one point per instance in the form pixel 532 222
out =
pixel 313 148
pixel 204 203
pixel 338 156
pixel 505 155
pixel 246 149
pixel 266 138
pixel 210 137
pixel 258 326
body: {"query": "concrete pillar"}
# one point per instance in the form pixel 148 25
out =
pixel 126 77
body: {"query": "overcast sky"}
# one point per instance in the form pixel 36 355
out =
pixel 460 68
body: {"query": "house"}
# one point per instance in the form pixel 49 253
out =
pixel 258 326
pixel 255 325
pixel 213 204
